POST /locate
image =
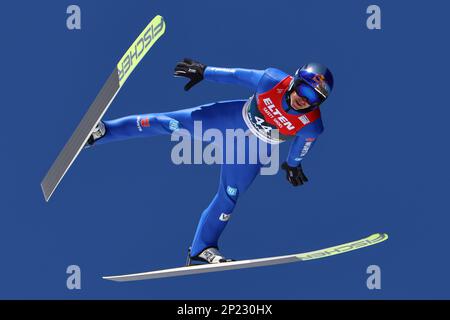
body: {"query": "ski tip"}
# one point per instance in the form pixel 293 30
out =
pixel 378 237
pixel 382 235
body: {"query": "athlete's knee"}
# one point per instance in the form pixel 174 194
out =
pixel 228 196
pixel 232 192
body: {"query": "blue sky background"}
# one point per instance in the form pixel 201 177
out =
pixel 380 166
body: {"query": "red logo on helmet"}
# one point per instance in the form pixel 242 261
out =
pixel 321 84
pixel 319 78
pixel 145 122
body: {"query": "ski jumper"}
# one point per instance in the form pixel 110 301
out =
pixel 261 113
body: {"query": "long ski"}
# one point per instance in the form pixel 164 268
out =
pixel 154 30
pixel 190 270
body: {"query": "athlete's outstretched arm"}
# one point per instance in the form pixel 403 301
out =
pixel 245 77
pixel 197 71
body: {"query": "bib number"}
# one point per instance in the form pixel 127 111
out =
pixel 260 121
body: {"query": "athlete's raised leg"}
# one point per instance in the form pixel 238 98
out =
pixel 137 126
pixel 218 115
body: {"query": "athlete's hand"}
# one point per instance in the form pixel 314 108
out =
pixel 294 175
pixel 190 69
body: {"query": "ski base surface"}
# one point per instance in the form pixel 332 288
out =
pixel 262 262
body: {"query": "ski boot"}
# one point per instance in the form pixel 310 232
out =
pixel 209 255
pixel 99 132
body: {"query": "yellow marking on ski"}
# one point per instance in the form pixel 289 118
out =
pixel 346 247
pixel 154 30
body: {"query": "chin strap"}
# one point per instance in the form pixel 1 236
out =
pixel 288 99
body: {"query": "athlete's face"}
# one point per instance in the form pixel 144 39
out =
pixel 297 102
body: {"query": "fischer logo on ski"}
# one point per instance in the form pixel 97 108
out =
pixel 139 48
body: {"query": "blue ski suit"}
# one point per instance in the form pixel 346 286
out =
pixel 234 178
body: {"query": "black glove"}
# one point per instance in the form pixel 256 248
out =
pixel 294 175
pixel 190 69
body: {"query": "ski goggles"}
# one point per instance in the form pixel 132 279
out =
pixel 305 91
